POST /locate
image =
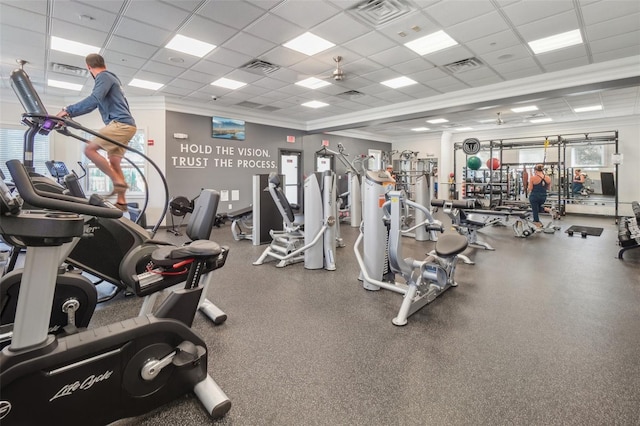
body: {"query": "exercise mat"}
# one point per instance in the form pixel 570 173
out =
pixel 586 229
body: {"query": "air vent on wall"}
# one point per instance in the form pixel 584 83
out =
pixel 380 12
pixel 464 65
pixel 257 66
pixel 69 70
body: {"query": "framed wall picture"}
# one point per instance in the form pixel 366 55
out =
pixel 227 128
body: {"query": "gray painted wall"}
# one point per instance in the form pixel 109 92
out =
pixel 201 161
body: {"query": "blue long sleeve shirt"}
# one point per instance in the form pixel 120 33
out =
pixel 108 97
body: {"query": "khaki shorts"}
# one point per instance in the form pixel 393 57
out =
pixel 119 132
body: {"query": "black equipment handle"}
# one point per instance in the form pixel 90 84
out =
pixel 53 201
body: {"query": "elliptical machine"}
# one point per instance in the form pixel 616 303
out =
pixel 105 374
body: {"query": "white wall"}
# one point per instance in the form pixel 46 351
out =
pixel 629 146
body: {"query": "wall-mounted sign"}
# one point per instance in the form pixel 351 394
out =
pixel 471 146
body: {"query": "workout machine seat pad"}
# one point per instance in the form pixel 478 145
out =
pixel 450 245
pixel 240 213
pixel 201 248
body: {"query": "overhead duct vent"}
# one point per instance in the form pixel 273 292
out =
pixel 257 66
pixel 247 104
pixel 351 94
pixel 464 65
pixel 381 12
pixel 69 70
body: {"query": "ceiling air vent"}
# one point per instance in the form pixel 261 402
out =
pixel 247 104
pixel 464 65
pixel 69 70
pixel 351 94
pixel 257 66
pixel 380 12
pixel 268 108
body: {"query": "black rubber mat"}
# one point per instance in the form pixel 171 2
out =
pixel 586 229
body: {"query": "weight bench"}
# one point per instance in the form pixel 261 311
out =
pixel 241 223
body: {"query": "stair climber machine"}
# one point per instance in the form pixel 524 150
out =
pixel 114 248
pixel 100 375
pixel 313 242
pixel 381 260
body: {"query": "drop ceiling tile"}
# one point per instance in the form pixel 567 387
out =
pixel 235 14
pixel 186 84
pixel 509 54
pixel 212 69
pixel 627 40
pixel 196 76
pixel 394 56
pixel 549 26
pixel 412 66
pixel 112 6
pixel 264 4
pixel 447 84
pixel 479 27
pixel 273 28
pixel 283 57
pixel 174 58
pixel 610 9
pixel 164 69
pixel 39 7
pixel 174 90
pixel 80 34
pixel 249 45
pixel 524 12
pixel 228 57
pixel 369 44
pixel 454 12
pixel 13 15
pixel 568 53
pixel 613 27
pixel 116 58
pixel 616 54
pixel 493 42
pixel 144 33
pixel 305 13
pixel 521 72
pixel 206 30
pixel 163 15
pixel 429 75
pixel 340 29
pixel 131 47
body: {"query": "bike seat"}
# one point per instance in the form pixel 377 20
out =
pixel 451 244
pixel 168 255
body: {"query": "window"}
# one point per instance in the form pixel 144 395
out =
pixel 587 156
pixel 12 147
pixel 98 182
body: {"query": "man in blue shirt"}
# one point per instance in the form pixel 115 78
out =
pixel 108 97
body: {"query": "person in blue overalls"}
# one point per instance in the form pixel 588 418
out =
pixel 539 183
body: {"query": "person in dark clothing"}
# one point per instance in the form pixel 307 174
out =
pixel 578 182
pixel 539 183
pixel 108 96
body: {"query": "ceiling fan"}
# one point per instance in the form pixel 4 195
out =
pixel 499 120
pixel 338 74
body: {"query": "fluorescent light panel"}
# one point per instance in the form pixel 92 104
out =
pixel 463 129
pixel 588 108
pixel 431 43
pixel 396 83
pixel 525 109
pixel 420 129
pixel 64 85
pixel 190 46
pixel 540 120
pixel 313 83
pixel 73 47
pixel 227 83
pixel 438 121
pixel 309 44
pixel 145 84
pixel 315 104
pixel 555 42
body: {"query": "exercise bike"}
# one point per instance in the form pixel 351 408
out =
pixel 101 375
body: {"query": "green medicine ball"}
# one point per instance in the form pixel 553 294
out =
pixel 474 163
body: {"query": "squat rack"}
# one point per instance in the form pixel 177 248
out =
pixel 557 141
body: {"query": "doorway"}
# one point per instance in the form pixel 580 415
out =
pixel 291 169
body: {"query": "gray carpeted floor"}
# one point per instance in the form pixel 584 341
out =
pixel 541 331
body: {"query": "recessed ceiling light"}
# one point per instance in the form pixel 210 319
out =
pixel 227 83
pixel 488 120
pixel 190 46
pixel 309 44
pixel 315 104
pixel 396 83
pixel 438 121
pixel 73 47
pixel 463 129
pixel 431 43
pixel 64 85
pixel 420 129
pixel 313 83
pixel 555 42
pixel 145 84
pixel 525 109
pixel 540 120
pixel 588 108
